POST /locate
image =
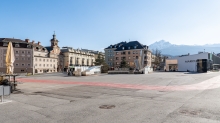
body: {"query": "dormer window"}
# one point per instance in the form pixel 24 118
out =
pixel 129 48
pixel 17 45
pixel 123 48
pixel 135 47
pixel 37 48
pixel 28 46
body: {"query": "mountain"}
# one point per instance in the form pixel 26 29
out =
pixel 167 48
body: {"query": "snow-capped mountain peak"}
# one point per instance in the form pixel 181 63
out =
pixel 162 44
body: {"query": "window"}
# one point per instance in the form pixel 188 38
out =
pixel 28 46
pixel 35 64
pixel 22 52
pixel 53 60
pixel 16 64
pixel 116 58
pixel 22 64
pixel 47 65
pixel 145 57
pixel 17 45
pixel 51 65
pixel 29 64
pixel 39 59
pixel 129 57
pixel 39 64
pixel 133 52
pixel 133 57
pixel 44 65
pixel 136 57
pixel 16 52
pixel 29 58
pixel 22 58
pixel 47 60
pixel 44 60
pixel 116 53
pixel 5 44
pixel 28 52
pixel 136 52
pixel 50 60
pixel 17 58
pixel 129 52
pixel 35 59
pixel 145 62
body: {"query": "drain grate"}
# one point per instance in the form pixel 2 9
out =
pixel 107 106
pixel 18 92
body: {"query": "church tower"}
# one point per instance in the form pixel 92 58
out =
pixel 54 41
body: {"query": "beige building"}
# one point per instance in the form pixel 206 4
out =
pixel 76 57
pixel 110 55
pixel 46 59
pixel 23 55
pixel 96 53
pixel 129 51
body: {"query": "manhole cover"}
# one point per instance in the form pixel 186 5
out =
pixel 186 112
pixel 107 106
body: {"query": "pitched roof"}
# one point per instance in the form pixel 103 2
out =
pixel 131 45
pixel 12 40
pixel 49 48
pixel 116 45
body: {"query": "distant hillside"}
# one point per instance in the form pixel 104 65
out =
pixel 175 50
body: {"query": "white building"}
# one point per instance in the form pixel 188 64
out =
pixel 189 62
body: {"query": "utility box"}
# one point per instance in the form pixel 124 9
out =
pixel 7 90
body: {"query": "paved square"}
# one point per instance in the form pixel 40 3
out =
pixel 160 97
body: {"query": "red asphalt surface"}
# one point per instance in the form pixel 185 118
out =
pixel 207 84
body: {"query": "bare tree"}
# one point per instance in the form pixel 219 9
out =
pixel 158 58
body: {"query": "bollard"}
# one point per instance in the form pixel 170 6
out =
pixel 1 92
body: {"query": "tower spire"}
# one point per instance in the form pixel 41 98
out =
pixel 54 35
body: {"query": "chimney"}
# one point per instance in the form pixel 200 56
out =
pixel 32 41
pixel 27 40
pixel 38 43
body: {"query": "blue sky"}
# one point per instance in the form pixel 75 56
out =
pixel 96 24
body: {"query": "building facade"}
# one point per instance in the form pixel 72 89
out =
pixel 189 62
pixel 130 52
pixel 46 59
pixel 23 52
pixel 110 55
pixel 96 53
pixel 76 57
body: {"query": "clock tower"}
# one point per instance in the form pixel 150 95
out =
pixel 54 41
pixel 54 45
